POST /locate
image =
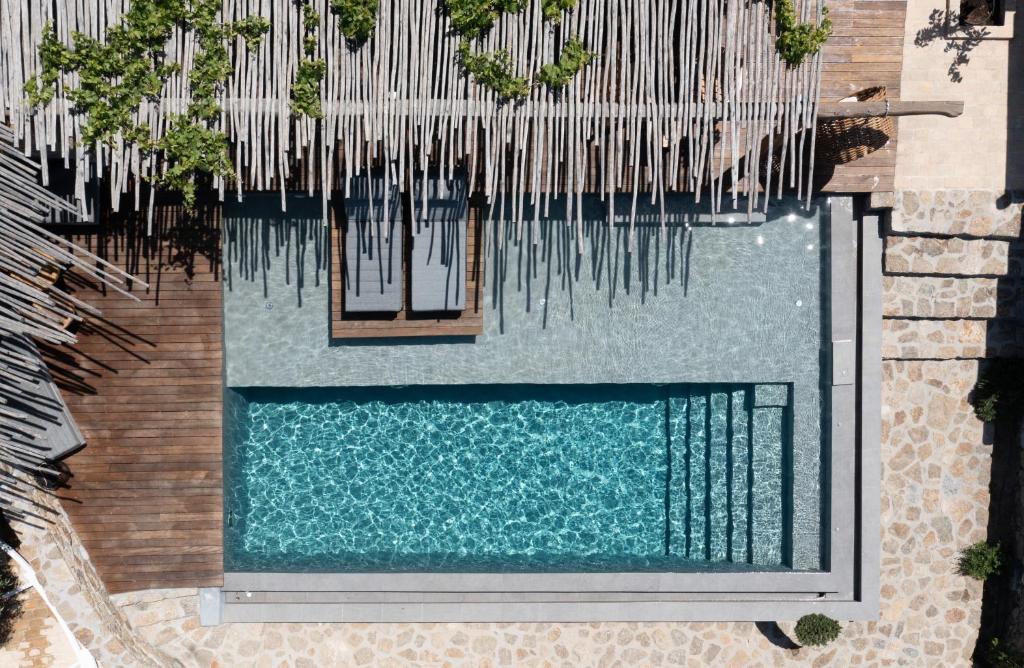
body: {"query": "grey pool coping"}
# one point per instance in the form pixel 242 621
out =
pixel 848 589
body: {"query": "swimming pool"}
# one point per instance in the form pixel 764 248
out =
pixel 509 478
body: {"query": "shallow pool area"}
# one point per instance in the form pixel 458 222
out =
pixel 512 478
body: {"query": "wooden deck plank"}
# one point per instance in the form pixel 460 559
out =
pixel 865 50
pixel 468 322
pixel 144 384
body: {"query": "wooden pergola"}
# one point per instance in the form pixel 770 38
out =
pixel 687 95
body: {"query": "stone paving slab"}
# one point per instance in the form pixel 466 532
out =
pixel 37 639
pixel 934 339
pixel 946 257
pixel 974 213
pixel 938 297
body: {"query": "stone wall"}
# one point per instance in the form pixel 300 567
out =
pixel 952 265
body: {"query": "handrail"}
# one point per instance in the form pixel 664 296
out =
pixel 947 108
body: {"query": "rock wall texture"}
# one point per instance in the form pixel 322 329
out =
pixel 954 276
pixel 946 257
pixel 971 213
pixel 938 297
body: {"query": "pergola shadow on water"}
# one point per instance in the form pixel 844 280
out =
pixel 37 310
pixel 270 248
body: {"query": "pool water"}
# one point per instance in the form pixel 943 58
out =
pixel 514 478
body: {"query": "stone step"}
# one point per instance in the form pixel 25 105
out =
pixel 934 339
pixel 946 257
pixel 973 213
pixel 767 519
pixel 739 495
pixel 938 297
pixel 726 488
pixel 904 339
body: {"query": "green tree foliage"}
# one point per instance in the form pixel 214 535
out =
pixel 574 57
pixel 997 655
pixel 358 19
pixel 795 40
pixel 817 630
pixel 1000 391
pixel 310 73
pixel 494 70
pixel 130 67
pixel 473 18
pixel 981 560
pixel 553 9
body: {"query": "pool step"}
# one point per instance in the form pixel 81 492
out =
pixel 725 488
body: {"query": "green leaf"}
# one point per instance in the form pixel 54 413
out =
pixel 357 19
pixel 494 70
pixel 571 61
pixel 795 41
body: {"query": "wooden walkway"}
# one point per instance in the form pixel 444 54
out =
pixel 144 384
pixel 468 322
pixel 865 50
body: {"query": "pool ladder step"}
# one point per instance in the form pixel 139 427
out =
pixel 725 488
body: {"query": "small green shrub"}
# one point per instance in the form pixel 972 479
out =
pixel 574 57
pixel 1000 391
pixel 305 91
pixel 817 630
pixel 998 656
pixel 981 560
pixel 797 40
pixel 10 606
pixel 494 70
pixel 357 19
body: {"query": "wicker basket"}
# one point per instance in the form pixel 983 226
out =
pixel 843 140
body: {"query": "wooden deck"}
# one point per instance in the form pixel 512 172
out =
pixel 865 50
pixel 469 322
pixel 144 384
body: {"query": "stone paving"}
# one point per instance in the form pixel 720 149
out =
pixel 947 257
pixel 938 297
pixel 37 640
pixel 976 150
pixel 971 213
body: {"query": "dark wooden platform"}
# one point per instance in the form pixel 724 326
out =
pixel 865 50
pixel 144 384
pixel 468 322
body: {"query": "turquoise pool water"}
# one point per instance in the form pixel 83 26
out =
pixel 509 478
